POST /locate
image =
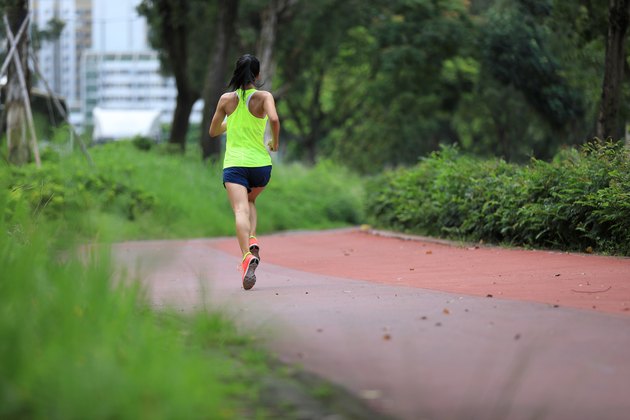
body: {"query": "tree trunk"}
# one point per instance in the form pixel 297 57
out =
pixel 267 40
pixel 215 78
pixel 608 120
pixel 17 138
pixel 175 36
pixel 181 117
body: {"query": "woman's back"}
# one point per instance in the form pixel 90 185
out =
pixel 245 130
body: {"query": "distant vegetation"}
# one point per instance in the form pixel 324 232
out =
pixel 137 194
pixel 578 201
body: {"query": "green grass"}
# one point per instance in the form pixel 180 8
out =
pixel 134 194
pixel 79 340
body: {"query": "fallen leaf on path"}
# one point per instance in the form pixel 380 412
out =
pixel 429 252
pixel 370 394
pixel 446 311
pixel 387 337
pixel 592 291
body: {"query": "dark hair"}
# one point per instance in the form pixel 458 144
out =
pixel 246 70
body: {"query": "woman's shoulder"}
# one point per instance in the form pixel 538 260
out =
pixel 262 93
pixel 228 96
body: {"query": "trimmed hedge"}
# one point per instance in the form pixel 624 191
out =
pixel 579 201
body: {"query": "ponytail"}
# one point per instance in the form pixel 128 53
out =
pixel 245 73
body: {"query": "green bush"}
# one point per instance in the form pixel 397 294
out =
pixel 318 197
pixel 134 194
pixel 143 143
pixel 581 199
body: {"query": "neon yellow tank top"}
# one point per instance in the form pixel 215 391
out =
pixel 245 136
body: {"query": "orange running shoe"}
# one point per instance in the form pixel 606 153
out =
pixel 248 267
pixel 254 248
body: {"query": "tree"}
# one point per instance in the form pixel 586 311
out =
pixel 15 107
pixel 516 51
pixel 618 20
pixel 271 16
pixel 405 95
pixel 179 31
pixel 215 79
pixel 309 71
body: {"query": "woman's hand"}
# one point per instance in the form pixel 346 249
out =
pixel 272 147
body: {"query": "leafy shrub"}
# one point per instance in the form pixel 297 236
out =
pixel 143 143
pixel 133 194
pixel 61 193
pixel 581 199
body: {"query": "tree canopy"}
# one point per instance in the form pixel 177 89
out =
pixel 382 83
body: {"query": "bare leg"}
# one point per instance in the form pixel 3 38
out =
pixel 253 215
pixel 237 194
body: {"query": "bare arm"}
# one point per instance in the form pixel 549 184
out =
pixel 270 109
pixel 218 125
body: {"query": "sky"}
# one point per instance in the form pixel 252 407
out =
pixel 116 26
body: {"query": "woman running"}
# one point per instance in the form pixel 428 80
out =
pixel 247 164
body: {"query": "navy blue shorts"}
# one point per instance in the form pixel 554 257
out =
pixel 247 177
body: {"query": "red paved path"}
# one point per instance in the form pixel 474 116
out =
pixel 348 306
pixel 574 280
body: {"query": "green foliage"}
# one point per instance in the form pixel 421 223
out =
pixel 323 196
pixel 143 143
pixel 367 81
pixel 153 194
pixel 579 200
pixel 56 193
pixel 515 49
pixel 180 27
pixel 78 340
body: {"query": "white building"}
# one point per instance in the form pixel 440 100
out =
pixel 126 80
pixel 103 59
pixel 113 125
pixel 121 71
pixel 60 59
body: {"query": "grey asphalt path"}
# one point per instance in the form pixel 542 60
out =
pixel 411 353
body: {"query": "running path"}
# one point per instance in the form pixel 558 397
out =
pixel 398 340
pixel 575 280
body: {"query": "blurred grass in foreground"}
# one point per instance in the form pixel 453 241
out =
pixel 74 344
